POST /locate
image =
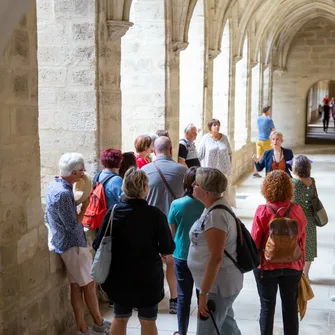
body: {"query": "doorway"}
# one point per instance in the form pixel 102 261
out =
pixel 316 133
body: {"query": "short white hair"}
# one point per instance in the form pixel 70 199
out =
pixel 189 127
pixel 69 162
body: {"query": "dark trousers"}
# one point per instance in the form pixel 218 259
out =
pixel 287 280
pixel 325 121
pixel 185 290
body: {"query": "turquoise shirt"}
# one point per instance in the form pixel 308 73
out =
pixel 183 213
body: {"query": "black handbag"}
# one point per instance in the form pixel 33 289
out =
pixel 319 213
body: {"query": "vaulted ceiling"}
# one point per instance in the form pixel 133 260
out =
pixel 273 24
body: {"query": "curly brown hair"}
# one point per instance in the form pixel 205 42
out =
pixel 277 186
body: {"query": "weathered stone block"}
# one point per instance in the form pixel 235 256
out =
pixel 27 246
pixel 52 77
pixel 46 96
pixel 20 46
pixel 83 31
pixel 35 271
pixel 84 55
pixel 26 122
pixel 54 55
pixel 83 77
pixel 12 223
pixel 21 85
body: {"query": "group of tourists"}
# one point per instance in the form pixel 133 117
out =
pixel 180 213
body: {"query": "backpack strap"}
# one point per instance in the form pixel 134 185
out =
pixel 103 181
pixel 273 210
pixel 287 213
pixel 238 226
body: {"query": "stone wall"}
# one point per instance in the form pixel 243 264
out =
pixel 143 72
pixel 67 82
pixel 311 59
pixel 33 285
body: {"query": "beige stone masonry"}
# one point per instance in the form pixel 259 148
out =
pixel 33 295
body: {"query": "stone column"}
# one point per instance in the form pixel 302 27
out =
pixel 270 84
pixel 178 14
pixel 33 285
pixel 213 35
pixel 112 25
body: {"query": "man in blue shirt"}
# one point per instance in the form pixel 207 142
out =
pixel 265 127
pixel 68 239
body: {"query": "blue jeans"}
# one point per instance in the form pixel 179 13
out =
pixel 287 280
pixel 223 316
pixel 185 289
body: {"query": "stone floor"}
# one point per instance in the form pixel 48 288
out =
pixel 320 316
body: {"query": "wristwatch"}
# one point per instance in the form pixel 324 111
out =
pixel 203 293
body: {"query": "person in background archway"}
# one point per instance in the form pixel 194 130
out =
pixel 215 152
pixel 265 127
pixel 187 154
pixel 332 110
pixel 320 110
pixel 326 100
pixel 304 192
pixel 326 115
pixel 128 160
pixel 277 158
pixel 144 147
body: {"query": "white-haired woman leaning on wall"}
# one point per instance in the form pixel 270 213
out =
pixel 215 275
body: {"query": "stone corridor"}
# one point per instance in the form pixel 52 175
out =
pixel 320 316
pixel 86 75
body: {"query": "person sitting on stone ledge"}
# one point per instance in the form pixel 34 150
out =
pixel 68 239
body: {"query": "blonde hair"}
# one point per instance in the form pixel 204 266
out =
pixel 134 182
pixel 278 133
pixel 211 180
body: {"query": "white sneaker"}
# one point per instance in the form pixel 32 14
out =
pixel 104 328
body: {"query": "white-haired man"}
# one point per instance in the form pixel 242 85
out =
pixel 188 155
pixel 68 239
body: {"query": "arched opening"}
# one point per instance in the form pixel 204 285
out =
pixel 192 72
pixel 320 121
pixel 241 99
pixel 221 81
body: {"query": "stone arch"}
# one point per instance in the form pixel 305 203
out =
pixel 272 26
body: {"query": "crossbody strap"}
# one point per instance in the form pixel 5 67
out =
pixel 110 222
pixel 165 182
pixel 238 227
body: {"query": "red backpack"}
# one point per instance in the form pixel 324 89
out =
pixel 97 207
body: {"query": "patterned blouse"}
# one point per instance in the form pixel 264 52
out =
pixel 61 216
pixel 216 153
